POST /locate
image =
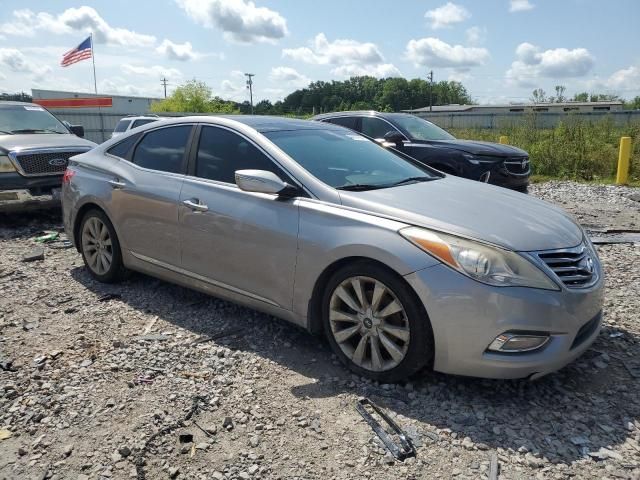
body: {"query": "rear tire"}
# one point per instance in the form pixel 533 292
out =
pixel 375 323
pixel 100 248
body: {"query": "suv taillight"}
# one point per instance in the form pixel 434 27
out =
pixel 68 175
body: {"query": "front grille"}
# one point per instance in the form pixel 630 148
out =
pixel 43 162
pixel 517 165
pixel 586 331
pixel 575 267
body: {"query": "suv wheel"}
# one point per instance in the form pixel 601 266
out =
pixel 375 323
pixel 100 248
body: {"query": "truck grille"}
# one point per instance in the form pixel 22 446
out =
pixel 41 162
pixel 517 165
pixel 575 267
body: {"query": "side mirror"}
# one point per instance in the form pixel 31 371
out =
pixel 393 136
pixel 260 181
pixel 77 130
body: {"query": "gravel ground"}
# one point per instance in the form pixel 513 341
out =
pixel 133 386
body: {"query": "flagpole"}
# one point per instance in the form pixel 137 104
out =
pixel 93 59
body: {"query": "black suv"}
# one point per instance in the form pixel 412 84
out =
pixel 493 163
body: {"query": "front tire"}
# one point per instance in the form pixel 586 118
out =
pixel 100 248
pixel 375 323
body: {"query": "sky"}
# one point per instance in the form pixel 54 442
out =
pixel 499 49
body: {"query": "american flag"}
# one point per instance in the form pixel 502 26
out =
pixel 81 52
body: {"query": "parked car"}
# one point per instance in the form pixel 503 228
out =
pixel 493 163
pixel 131 122
pixel 400 265
pixel 34 149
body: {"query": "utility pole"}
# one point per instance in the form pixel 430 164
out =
pixel 430 77
pixel 163 82
pixel 250 87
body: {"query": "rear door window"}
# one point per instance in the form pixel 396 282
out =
pixel 349 122
pixel 163 149
pixel 142 121
pixel 122 126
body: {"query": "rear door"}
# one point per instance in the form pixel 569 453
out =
pixel 146 191
pixel 243 242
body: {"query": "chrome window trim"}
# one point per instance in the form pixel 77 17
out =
pixel 14 154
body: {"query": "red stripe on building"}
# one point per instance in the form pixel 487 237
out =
pixel 90 102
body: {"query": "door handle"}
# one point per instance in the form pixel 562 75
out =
pixel 194 204
pixel 115 183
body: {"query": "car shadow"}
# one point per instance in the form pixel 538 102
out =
pixel 562 417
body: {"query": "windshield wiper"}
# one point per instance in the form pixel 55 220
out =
pixel 5 132
pixel 411 179
pixel 35 130
pixel 359 187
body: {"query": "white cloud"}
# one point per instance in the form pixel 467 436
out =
pixel 533 63
pixel 290 76
pixel 155 71
pixel 433 52
pixel 177 51
pixel 82 19
pixel 626 79
pixel 476 35
pixel 447 15
pixel 240 20
pixel 338 52
pixel 624 82
pixel 520 5
pixel 348 57
pixel 382 70
pixel 16 62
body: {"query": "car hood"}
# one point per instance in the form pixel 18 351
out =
pixel 480 148
pixel 42 140
pixel 473 209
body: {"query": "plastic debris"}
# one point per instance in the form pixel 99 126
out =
pixel 47 237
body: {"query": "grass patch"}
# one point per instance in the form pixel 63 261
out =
pixel 573 150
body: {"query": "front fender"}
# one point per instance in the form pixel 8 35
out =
pixel 330 233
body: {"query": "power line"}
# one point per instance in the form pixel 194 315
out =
pixel 163 81
pixel 250 87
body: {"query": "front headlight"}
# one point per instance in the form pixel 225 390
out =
pixel 6 165
pixel 482 160
pixel 484 263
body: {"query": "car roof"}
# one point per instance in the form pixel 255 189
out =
pixel 11 103
pixel 268 123
pixel 361 113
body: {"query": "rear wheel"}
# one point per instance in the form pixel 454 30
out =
pixel 375 323
pixel 100 248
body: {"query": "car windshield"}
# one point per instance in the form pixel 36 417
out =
pixel 29 119
pixel 419 129
pixel 347 160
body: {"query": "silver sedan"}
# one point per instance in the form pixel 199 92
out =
pixel 399 265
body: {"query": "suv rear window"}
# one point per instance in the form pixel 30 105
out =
pixel 122 126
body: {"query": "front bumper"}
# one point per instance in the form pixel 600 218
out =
pixel 20 194
pixel 498 175
pixel 466 316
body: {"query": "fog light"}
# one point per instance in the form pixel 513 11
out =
pixel 516 342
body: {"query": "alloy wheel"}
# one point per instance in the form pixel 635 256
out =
pixel 369 323
pixel 97 246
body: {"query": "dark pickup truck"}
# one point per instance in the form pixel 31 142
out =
pixel 35 148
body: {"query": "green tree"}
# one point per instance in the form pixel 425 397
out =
pixel 538 96
pixel 194 97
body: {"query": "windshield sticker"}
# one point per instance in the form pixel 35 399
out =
pixel 37 109
pixel 357 138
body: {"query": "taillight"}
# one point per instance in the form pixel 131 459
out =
pixel 68 175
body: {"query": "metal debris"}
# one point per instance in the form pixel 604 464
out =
pixel 401 449
pixel 494 467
